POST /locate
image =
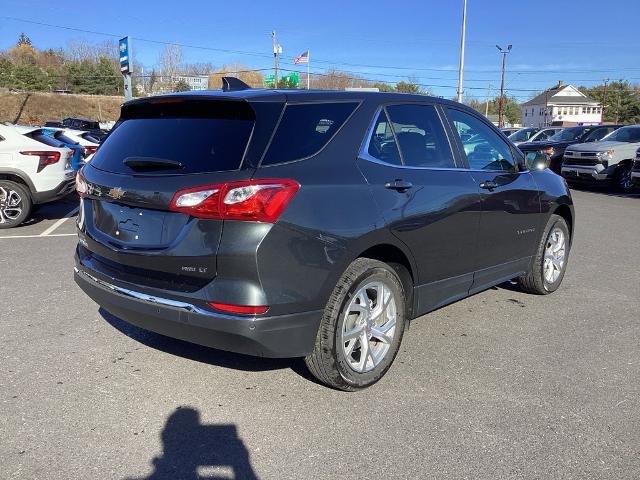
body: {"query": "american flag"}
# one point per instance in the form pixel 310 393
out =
pixel 304 58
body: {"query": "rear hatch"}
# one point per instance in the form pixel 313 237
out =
pixel 160 146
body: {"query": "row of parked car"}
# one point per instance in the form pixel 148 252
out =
pixel 584 154
pixel 39 164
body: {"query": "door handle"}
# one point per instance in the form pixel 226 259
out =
pixel 489 185
pixel 399 185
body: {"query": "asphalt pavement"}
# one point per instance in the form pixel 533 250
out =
pixel 500 385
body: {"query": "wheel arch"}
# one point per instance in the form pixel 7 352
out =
pixel 402 264
pixel 565 212
pixel 16 176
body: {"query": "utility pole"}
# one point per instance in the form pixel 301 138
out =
pixel 462 37
pixel 604 98
pixel 501 102
pixel 276 50
pixel 486 105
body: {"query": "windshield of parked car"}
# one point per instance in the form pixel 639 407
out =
pixel 624 134
pixel 523 135
pixel 569 134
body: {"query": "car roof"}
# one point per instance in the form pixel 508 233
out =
pixel 262 94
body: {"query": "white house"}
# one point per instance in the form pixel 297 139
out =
pixel 196 82
pixel 562 105
pixel 166 84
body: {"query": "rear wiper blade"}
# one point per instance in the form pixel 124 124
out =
pixel 151 163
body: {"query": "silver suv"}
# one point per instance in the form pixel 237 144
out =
pixel 609 160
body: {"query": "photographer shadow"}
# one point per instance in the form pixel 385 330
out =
pixel 193 451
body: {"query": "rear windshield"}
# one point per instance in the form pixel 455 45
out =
pixel 569 134
pixel 89 137
pixel 63 138
pixel 305 129
pixel 46 139
pixel 199 137
pixel 625 134
pixel 522 135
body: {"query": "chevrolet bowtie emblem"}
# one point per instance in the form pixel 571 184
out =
pixel 116 193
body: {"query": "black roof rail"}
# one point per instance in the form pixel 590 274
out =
pixel 233 83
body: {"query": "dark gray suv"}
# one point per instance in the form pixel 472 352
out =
pixel 310 224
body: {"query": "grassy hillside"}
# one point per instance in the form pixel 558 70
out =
pixel 37 108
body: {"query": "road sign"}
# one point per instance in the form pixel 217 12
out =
pixel 125 61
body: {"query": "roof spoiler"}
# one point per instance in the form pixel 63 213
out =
pixel 232 83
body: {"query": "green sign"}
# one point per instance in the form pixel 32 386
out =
pixel 292 79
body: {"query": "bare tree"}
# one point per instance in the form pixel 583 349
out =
pixel 337 80
pixel 198 68
pixel 171 61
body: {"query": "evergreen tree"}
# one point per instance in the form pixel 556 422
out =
pixel 181 86
pixel 23 40
pixel 6 73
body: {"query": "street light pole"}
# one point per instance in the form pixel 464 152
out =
pixel 501 101
pixel 462 38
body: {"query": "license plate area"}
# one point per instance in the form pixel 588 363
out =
pixel 139 227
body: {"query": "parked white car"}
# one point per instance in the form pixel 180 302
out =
pixel 31 173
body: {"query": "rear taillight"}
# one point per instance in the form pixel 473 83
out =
pixel 44 158
pixel 253 200
pixel 240 309
pixel 81 184
pixel 89 151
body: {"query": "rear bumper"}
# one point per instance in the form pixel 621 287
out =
pixel 291 335
pixel 62 190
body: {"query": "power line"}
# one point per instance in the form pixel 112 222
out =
pixel 328 62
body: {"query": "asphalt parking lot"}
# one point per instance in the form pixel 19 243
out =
pixel 500 385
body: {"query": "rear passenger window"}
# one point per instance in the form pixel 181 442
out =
pixel 305 129
pixel 420 136
pixel 383 143
pixel 484 148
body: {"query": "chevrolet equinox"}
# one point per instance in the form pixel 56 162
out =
pixel 310 224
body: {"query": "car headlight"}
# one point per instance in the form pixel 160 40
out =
pixel 605 156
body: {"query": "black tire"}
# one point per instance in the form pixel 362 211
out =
pixel 328 362
pixel 534 281
pixel 8 216
pixel 622 181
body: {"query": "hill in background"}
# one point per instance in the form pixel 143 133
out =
pixel 37 108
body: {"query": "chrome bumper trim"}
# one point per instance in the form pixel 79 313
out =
pixel 152 299
pixel 585 170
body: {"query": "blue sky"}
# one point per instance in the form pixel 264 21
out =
pixel 579 42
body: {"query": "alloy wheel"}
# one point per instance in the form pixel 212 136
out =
pixel 625 181
pixel 369 326
pixel 10 205
pixel 554 255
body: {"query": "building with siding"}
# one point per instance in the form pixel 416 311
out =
pixel 562 105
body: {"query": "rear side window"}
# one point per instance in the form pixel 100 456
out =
pixel 383 144
pixel 201 138
pixel 305 129
pixel 421 136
